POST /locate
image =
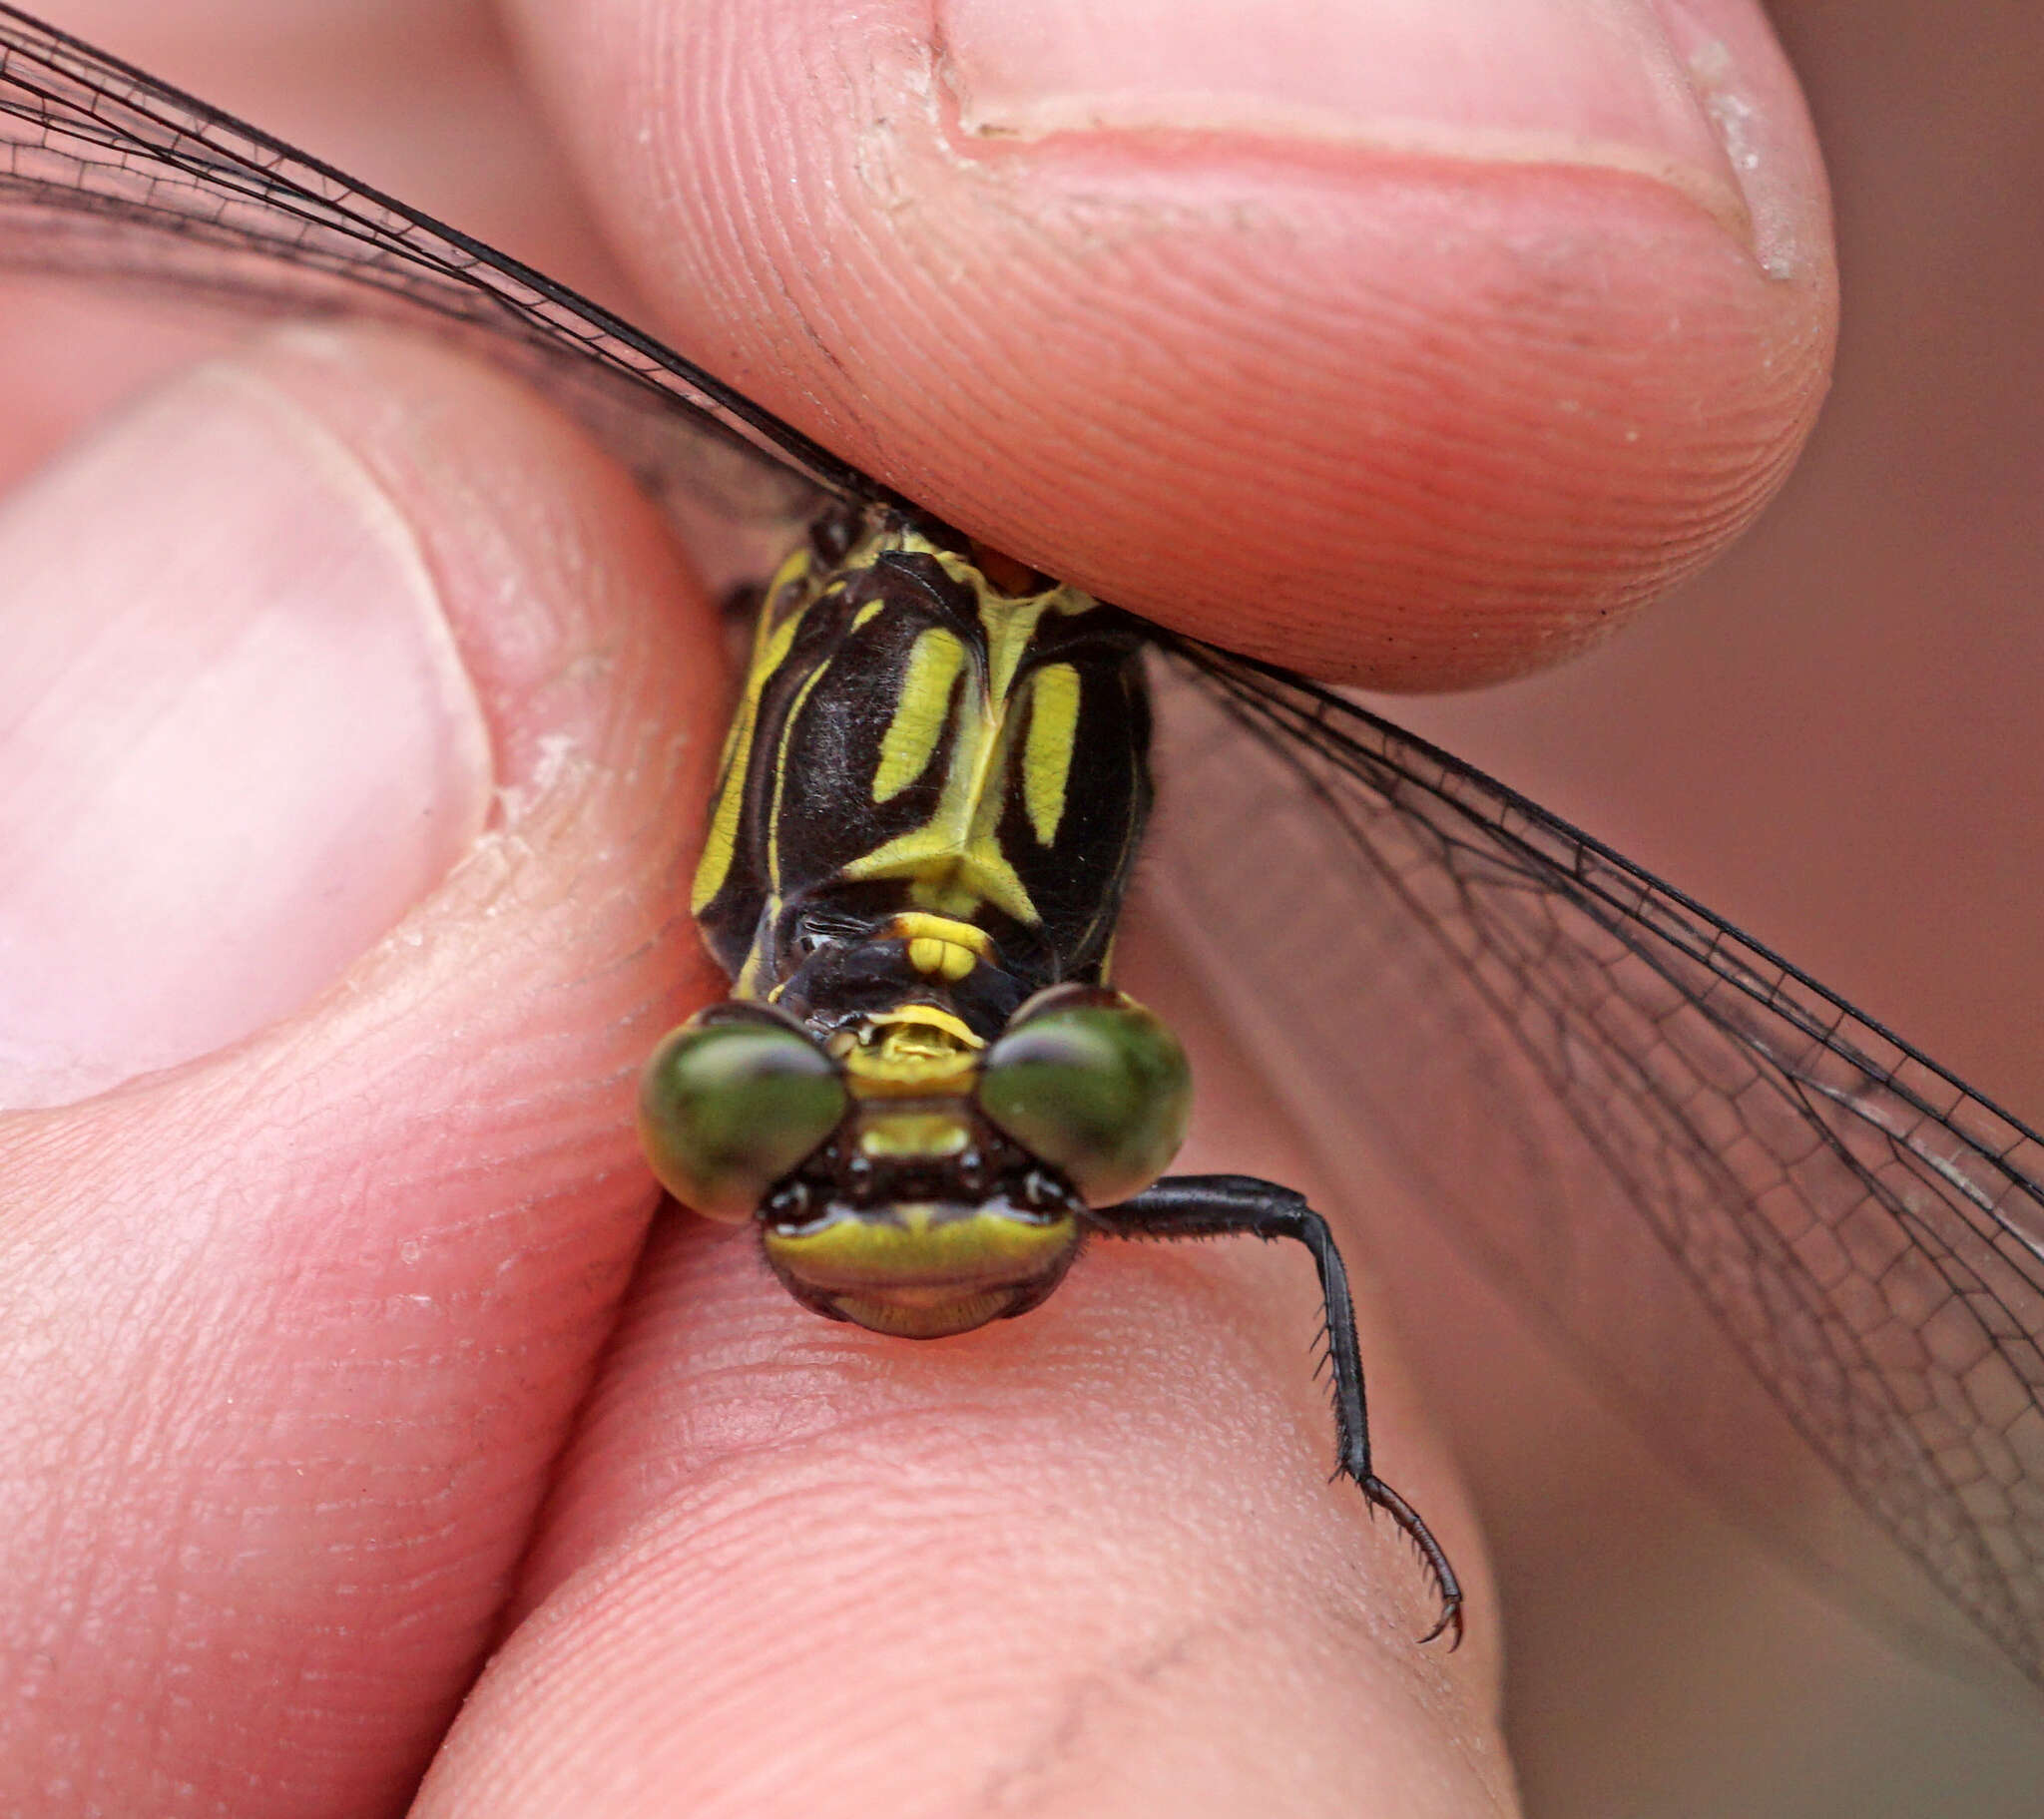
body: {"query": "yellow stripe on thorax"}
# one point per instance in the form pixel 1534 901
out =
pixel 920 709
pixel 1047 755
pixel 954 862
pixel 998 739
pixel 771 645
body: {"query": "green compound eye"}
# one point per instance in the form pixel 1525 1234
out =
pixel 729 1103
pixel 1093 1085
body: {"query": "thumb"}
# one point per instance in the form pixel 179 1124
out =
pixel 1410 345
pixel 351 750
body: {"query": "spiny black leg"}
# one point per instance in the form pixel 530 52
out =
pixel 1219 1205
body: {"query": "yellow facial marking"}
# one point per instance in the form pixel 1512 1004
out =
pixel 916 1051
pixel 924 1271
pixel 926 1018
pixel 914 1134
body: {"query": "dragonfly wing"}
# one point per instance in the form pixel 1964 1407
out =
pixel 108 174
pixel 1609 1097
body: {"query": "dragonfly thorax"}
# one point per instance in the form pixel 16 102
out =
pixel 934 785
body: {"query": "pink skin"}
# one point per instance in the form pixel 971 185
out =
pixel 336 1362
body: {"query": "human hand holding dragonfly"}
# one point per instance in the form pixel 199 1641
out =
pixel 340 1350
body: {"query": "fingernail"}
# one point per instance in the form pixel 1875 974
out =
pixel 237 740
pixel 1594 82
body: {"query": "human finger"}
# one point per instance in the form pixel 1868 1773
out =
pixel 1415 345
pixel 1084 1561
pixel 357 726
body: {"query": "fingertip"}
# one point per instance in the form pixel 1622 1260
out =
pixel 1090 1555
pixel 1417 410
pixel 337 1286
pixel 238 741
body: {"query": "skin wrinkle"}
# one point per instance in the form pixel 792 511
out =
pixel 875 153
pixel 1088 1697
pixel 1097 1698
pixel 1308 132
pixel 734 1527
pixel 898 1429
pixel 758 231
pixel 1726 508
pixel 801 1417
pixel 1198 293
pixel 725 1538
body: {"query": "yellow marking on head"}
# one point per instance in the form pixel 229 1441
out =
pixel 912 925
pixel 925 1270
pixel 914 1134
pixel 929 1019
pixel 915 1051
pixel 921 707
pixel 940 959
pixel 1047 755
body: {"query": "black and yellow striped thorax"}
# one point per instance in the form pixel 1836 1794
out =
pixel 933 789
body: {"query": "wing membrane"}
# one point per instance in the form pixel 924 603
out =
pixel 1553 1048
pixel 106 172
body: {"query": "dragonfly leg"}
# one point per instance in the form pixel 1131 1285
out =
pixel 1219 1205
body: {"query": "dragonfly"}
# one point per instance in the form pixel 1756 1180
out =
pixel 1563 1058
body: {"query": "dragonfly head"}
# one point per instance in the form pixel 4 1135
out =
pixel 905 1176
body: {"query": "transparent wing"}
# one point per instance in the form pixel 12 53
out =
pixel 1553 1049
pixel 107 172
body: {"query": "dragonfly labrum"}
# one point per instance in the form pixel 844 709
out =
pixel 927 1089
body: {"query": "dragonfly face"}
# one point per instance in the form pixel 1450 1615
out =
pixel 930 800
